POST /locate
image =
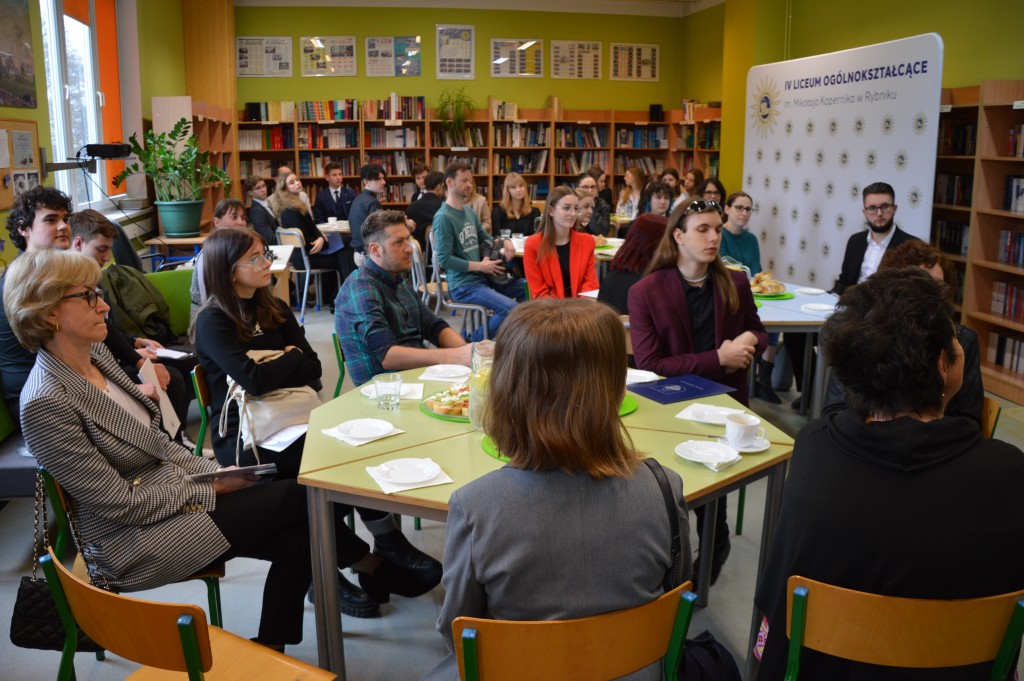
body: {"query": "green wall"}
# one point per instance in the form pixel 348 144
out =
pixel 701 38
pixel 526 92
pixel 161 51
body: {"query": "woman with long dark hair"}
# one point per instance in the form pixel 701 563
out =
pixel 629 264
pixel 559 260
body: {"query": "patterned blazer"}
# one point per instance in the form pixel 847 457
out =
pixel 144 524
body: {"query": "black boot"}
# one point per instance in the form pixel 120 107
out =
pixel 395 548
pixel 763 385
pixel 391 578
pixel 354 601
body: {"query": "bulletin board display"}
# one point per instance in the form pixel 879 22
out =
pixel 20 168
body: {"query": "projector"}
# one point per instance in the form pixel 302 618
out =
pixel 108 151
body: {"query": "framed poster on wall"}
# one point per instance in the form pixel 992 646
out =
pixel 517 58
pixel 455 45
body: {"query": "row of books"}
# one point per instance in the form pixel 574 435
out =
pixel 270 137
pixel 467 137
pixel 1013 193
pixel 1006 351
pixel 398 193
pixel 391 138
pixel 953 189
pixel 395 163
pixel 521 135
pixel 1016 142
pixel 314 136
pixel 1010 249
pixel 477 164
pixel 313 164
pixel 710 136
pixel 574 164
pixel 957 138
pixel 591 137
pixel 308 110
pixel 642 137
pixel 504 111
pixel 395 108
pixel 952 236
pixel 1008 300
pixel 648 165
pixel 259 167
pixel 535 162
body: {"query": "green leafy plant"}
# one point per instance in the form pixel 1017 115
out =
pixel 455 107
pixel 173 161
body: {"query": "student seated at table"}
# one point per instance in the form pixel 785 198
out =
pixel 261 215
pixel 143 523
pixel 575 524
pixel 559 260
pixel 970 399
pixel 690 314
pixel 514 212
pixel 292 213
pixel 380 320
pixel 599 220
pixel 632 259
pixel 242 315
pixel 228 213
pixel 888 496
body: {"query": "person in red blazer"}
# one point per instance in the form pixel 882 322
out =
pixel 559 244
pixel 692 315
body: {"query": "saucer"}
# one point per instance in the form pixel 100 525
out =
pixel 408 471
pixel 755 447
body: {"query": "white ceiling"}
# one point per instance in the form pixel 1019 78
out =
pixel 654 8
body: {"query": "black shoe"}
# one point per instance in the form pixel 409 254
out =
pixel 796 404
pixel 391 578
pixel 395 548
pixel 766 393
pixel 354 601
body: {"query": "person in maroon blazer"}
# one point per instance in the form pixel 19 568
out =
pixel 690 314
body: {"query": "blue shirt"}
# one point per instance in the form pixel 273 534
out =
pixel 375 311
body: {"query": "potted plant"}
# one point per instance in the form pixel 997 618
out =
pixel 179 171
pixel 455 107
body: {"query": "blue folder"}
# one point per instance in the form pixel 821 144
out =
pixel 679 388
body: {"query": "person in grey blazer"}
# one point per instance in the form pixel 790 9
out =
pixel 575 525
pixel 143 522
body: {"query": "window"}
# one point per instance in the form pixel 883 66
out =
pixel 83 91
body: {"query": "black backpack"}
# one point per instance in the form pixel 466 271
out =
pixel 705 659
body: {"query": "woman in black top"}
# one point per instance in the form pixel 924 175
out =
pixel 514 212
pixel 631 261
pixel 293 213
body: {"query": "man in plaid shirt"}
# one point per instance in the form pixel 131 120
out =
pixel 380 320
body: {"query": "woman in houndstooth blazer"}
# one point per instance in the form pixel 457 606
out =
pixel 143 522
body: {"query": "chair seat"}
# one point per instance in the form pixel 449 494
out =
pixel 239 658
pixel 216 570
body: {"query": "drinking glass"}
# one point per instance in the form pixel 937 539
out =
pixel 389 390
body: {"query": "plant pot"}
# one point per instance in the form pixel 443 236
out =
pixel 180 218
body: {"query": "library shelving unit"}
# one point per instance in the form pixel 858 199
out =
pixel 521 144
pixel 471 146
pixel 995 264
pixel 639 142
pixel 582 138
pixel 212 125
pixel 708 138
pixel 327 141
pixel 264 146
pixel 681 133
pixel 397 146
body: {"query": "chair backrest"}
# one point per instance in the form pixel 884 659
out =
pixel 901 632
pixel 142 631
pixel 293 237
pixel 59 503
pixel 339 354
pixel 175 287
pixel 438 273
pixel 587 649
pixel 202 390
pixel 629 339
pixel 419 269
pixel 990 411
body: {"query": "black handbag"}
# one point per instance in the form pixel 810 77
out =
pixel 673 577
pixel 494 252
pixel 35 622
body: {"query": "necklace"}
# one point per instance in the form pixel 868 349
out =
pixel 695 281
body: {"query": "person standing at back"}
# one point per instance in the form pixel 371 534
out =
pixel 374 181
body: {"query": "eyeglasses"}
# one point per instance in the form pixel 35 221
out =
pixel 712 192
pixel 259 260
pixel 701 206
pixel 743 209
pixel 569 209
pixel 885 208
pixel 90 296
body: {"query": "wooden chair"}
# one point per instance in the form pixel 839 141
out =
pixel 58 501
pixel 587 649
pixel 902 632
pixel 990 411
pixel 293 237
pixel 473 315
pixel 161 636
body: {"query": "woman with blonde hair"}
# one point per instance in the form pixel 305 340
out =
pixel 559 260
pixel 610 548
pixel 629 196
pixel 515 212
pixel 293 213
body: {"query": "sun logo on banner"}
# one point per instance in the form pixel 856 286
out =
pixel 762 108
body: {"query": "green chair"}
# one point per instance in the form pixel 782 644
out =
pixel 590 648
pixel 902 632
pixel 202 391
pixel 164 636
pixel 339 354
pixel 211 577
pixel 174 286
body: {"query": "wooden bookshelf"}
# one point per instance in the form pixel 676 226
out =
pixel 986 265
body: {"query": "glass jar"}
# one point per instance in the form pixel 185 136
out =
pixel 479 381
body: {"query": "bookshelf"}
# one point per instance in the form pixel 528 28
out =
pixel 548 146
pixel 995 259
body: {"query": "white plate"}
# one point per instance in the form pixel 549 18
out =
pixel 817 307
pixel 370 390
pixel 408 471
pixel 755 447
pixel 634 376
pixel 449 370
pixel 808 291
pixel 713 415
pixel 705 451
pixel 613 241
pixel 364 429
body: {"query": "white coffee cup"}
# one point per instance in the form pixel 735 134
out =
pixel 742 430
pixel 331 221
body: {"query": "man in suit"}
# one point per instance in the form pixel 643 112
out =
pixel 374 182
pixel 421 212
pixel 261 215
pixel 335 202
pixel 419 173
